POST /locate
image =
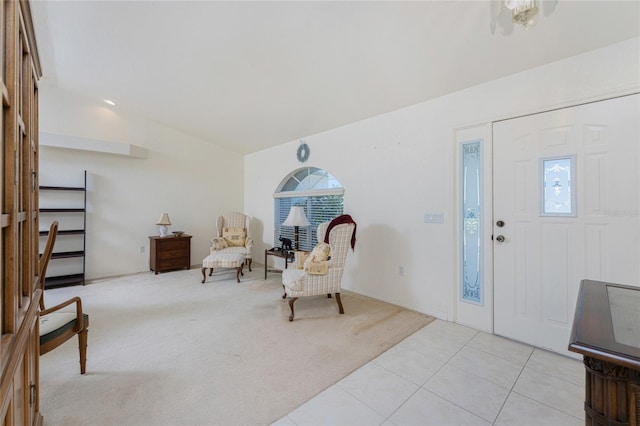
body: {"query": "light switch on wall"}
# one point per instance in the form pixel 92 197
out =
pixel 434 218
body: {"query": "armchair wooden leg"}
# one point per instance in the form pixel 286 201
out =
pixel 284 294
pixel 239 272
pixel 339 303
pixel 248 262
pixel 291 302
pixel 204 275
pixel 82 347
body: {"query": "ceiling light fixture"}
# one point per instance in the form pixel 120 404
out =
pixel 523 12
pixel 109 102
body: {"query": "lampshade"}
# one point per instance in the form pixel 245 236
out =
pixel 164 220
pixel 296 217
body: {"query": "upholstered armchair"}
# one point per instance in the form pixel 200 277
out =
pixel 322 277
pixel 233 236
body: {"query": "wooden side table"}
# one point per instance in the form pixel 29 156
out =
pixel 170 253
pixel 287 255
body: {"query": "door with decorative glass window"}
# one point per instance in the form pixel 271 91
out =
pixel 566 207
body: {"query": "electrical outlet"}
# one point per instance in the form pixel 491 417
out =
pixel 141 249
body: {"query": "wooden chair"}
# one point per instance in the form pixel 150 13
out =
pixel 56 327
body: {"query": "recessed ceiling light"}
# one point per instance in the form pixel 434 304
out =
pixel 109 102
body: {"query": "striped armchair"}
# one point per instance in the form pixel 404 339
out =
pixel 300 282
pixel 228 224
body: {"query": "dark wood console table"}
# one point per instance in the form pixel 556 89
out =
pixel 606 331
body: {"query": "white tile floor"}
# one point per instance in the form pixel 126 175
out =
pixel 448 374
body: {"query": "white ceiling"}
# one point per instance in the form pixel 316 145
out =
pixel 250 75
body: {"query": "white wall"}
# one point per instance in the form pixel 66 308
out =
pixel 192 180
pixel 398 166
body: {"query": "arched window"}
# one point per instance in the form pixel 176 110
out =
pixel 318 192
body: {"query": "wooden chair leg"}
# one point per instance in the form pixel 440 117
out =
pixel 284 295
pixel 204 275
pixel 339 303
pixel 249 263
pixel 291 302
pixel 239 272
pixel 82 347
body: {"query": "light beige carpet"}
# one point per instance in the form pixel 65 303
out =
pixel 167 350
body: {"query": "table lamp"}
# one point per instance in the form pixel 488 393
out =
pixel 296 218
pixel 164 222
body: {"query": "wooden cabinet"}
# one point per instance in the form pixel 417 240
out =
pixel 605 331
pixel 67 205
pixel 20 296
pixel 170 253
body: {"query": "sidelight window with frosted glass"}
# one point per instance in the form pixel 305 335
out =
pixel 471 216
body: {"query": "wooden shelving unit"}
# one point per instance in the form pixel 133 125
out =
pixel 19 265
pixel 58 213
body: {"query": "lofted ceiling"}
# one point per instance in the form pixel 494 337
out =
pixel 248 75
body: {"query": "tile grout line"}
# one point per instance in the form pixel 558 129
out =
pixel 547 405
pixel 482 378
pixel 512 387
pixel 447 364
pixel 422 385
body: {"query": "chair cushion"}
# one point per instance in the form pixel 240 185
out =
pixel 223 260
pixel 235 236
pixel 57 323
pixel 234 250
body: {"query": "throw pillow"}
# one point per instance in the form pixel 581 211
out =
pixel 319 255
pixel 301 257
pixel 235 236
pixel 318 268
pixel 321 252
pixel 219 243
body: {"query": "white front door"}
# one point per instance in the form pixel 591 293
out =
pixel 585 224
